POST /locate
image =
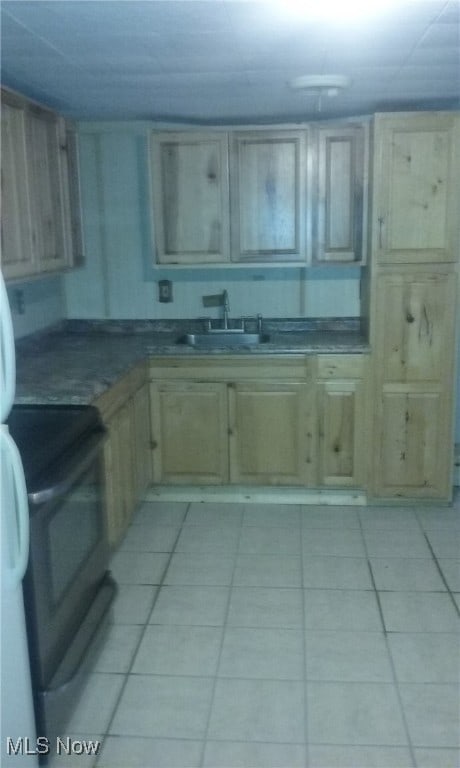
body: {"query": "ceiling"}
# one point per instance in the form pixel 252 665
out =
pixel 227 61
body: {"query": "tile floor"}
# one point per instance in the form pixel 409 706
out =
pixel 257 635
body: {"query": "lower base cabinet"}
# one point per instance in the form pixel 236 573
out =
pixel 125 410
pixel 189 427
pixel 411 457
pixel 274 422
pixel 119 472
pixel 341 414
pixel 270 437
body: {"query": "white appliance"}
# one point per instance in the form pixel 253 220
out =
pixel 17 724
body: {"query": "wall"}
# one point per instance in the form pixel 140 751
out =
pixel 42 303
pixel 120 279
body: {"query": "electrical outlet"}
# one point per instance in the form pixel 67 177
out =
pixel 165 294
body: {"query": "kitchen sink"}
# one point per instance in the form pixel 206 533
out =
pixel 223 338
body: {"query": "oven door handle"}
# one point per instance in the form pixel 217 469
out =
pixel 69 472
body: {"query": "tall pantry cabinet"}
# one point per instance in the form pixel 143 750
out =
pixel 413 299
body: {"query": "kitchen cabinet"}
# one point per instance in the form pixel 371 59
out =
pixel 142 440
pixel 415 217
pixel 247 197
pixel 270 433
pixel 413 297
pixel 41 211
pixel 71 195
pixel 189 428
pixel 119 471
pixel 16 225
pixel 191 197
pixel 341 413
pixel 415 333
pixel 125 412
pixel 340 198
pixel 45 190
pixel 268 188
pixel 293 421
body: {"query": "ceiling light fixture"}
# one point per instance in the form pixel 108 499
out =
pixel 318 86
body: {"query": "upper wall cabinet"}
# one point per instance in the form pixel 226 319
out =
pixel 415 219
pixel 45 187
pixel 340 211
pixel 17 255
pixel 268 188
pixel 191 197
pixel 246 197
pixel 40 223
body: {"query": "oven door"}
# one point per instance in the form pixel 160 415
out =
pixel 68 554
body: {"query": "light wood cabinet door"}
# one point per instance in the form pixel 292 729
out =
pixel 189 430
pixel 340 224
pixel 191 197
pixel 119 472
pixel 142 440
pixel 268 189
pixel 415 325
pixel 270 433
pixel 413 450
pixel 16 228
pixel 45 175
pixel 416 175
pixel 341 415
pixel 71 198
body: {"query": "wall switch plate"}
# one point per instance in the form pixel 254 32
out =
pixel 165 294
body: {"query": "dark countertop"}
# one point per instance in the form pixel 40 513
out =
pixel 77 361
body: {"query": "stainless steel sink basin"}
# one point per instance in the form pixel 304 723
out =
pixel 230 338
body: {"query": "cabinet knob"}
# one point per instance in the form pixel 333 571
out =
pixel 409 317
pixel 153 445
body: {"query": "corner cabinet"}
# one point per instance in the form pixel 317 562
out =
pixel 414 296
pixel 190 197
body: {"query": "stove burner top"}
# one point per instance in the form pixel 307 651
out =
pixel 45 433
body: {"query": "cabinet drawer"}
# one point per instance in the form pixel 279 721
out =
pixel 341 366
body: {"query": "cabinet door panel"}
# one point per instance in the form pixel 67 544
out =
pixel 340 460
pixel 342 194
pixel 46 195
pixel 270 435
pixel 115 491
pixel 416 325
pixel 189 426
pixel 143 461
pixel 268 196
pixel 17 256
pixel 415 216
pixel 191 198
pixel 412 461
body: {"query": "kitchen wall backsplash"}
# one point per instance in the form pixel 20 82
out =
pixel 119 279
pixel 36 304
